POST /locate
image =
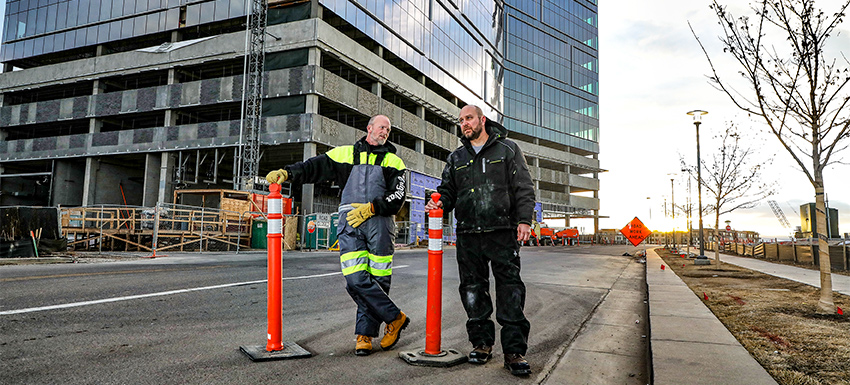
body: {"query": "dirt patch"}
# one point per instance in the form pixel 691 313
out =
pixel 775 319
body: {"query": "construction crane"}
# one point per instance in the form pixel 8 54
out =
pixel 248 157
pixel 779 214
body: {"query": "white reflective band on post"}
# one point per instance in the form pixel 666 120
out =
pixel 435 223
pixel 275 206
pixel 275 226
pixel 435 244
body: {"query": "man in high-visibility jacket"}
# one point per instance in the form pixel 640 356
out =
pixel 372 179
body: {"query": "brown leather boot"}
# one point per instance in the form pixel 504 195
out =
pixel 393 331
pixel 480 355
pixel 517 364
pixel 364 346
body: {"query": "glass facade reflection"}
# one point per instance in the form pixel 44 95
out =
pixel 35 27
pixel 456 43
pixel 552 71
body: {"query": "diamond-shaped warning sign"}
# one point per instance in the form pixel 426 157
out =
pixel 635 231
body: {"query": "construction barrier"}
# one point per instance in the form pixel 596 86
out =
pixel 275 348
pixel 433 355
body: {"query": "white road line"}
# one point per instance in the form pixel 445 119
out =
pixel 140 296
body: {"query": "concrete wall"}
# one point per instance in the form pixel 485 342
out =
pixel 68 176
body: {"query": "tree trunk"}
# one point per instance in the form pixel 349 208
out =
pixel 825 304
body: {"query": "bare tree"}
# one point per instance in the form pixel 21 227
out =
pixel 734 176
pixel 795 87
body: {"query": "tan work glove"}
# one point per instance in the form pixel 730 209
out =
pixel 278 176
pixel 361 212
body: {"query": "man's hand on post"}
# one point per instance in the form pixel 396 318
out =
pixel 360 213
pixel 277 176
pixel 523 232
pixel 431 205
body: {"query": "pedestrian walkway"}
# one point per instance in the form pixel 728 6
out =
pixel 689 344
pixel 840 283
pixel 611 347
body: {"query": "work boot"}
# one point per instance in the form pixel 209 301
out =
pixel 517 364
pixel 480 355
pixel 364 345
pixel 393 331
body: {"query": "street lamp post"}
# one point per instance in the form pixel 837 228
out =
pixel 688 214
pixel 697 114
pixel 673 204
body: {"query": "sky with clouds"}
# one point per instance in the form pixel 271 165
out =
pixel 652 72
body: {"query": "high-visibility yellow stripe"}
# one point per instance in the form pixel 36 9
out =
pixel 342 154
pixel 392 160
pixel 381 259
pixel 356 268
pixel 381 272
pixel 345 154
pixel 381 265
pixel 353 255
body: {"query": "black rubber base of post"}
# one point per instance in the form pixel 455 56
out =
pixel 290 350
pixel 445 359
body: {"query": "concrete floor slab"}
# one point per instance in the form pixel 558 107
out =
pixel 581 367
pixel 611 339
pixel 689 363
pixel 705 330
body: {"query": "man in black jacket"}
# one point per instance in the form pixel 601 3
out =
pixel 487 183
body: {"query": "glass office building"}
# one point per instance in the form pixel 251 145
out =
pixel 146 94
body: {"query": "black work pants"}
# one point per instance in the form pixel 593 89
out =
pixel 476 253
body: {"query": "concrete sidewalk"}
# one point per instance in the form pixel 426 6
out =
pixel 840 283
pixel 689 344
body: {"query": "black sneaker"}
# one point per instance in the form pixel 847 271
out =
pixel 517 364
pixel 480 355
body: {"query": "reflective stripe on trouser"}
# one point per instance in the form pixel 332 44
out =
pixel 366 255
pixel 500 250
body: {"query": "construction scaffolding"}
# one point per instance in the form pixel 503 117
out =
pixel 165 227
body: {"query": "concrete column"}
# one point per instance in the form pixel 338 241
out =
pixel 2 171
pixel 377 87
pixel 536 164
pixel 150 183
pixel 166 170
pixel 2 97
pixel 596 212
pixel 420 146
pixel 316 10
pixel 307 189
pixel 90 181
pixel 314 56
pixel 176 36
pixel 94 123
pixel 312 104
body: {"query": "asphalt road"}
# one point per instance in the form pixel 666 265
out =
pixel 182 318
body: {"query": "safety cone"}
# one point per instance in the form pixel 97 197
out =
pixel 433 355
pixel 275 348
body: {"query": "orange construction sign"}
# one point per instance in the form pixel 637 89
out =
pixel 635 231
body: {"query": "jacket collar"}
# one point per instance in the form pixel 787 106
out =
pixel 363 146
pixel 495 130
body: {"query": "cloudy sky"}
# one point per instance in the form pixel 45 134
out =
pixel 652 71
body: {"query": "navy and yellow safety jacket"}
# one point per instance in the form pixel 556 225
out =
pixel 337 164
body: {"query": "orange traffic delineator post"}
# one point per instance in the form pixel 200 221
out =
pixel 433 355
pixel 275 348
